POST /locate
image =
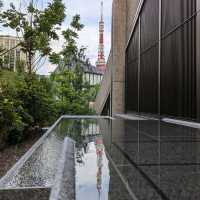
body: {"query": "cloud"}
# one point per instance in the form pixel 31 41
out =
pixel 89 38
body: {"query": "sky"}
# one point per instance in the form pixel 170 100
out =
pixel 89 11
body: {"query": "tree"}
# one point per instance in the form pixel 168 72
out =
pixel 70 52
pixel 29 100
pixel 39 101
pixel 72 92
pixel 37 28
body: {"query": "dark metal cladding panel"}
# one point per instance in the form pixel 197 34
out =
pixel 132 55
pixel 149 81
pixel 132 51
pixel 175 12
pixel 178 93
pixel 178 73
pixel 149 24
pixel 132 86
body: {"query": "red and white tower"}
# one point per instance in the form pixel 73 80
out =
pixel 101 64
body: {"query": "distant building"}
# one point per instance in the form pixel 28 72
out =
pixel 91 74
pixel 15 54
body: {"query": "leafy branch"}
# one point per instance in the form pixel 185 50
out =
pixel 37 27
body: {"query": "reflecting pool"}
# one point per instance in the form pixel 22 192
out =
pixel 121 160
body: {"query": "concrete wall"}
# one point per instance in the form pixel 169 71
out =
pixel 122 25
pixel 118 55
pixel 105 88
pixel 131 8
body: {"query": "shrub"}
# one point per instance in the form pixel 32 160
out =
pixel 38 100
pixel 25 101
pixel 10 123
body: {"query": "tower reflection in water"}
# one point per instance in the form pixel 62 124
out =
pixel 92 170
pixel 99 151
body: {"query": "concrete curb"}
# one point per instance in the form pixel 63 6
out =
pixel 86 117
pixel 64 186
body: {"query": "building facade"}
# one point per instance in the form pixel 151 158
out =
pixel 90 73
pixel 15 54
pixel 155 60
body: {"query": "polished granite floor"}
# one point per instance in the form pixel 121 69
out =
pixel 155 160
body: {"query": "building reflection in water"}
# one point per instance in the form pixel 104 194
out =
pixel 92 170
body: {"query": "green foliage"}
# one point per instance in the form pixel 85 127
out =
pixel 10 122
pixel 70 51
pixel 11 111
pixel 72 92
pixel 93 92
pixel 25 101
pixel 37 98
pixel 31 100
pixel 28 100
pixel 4 61
pixel 20 66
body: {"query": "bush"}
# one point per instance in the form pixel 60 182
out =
pixel 25 101
pixel 10 122
pixel 38 100
pixel 29 100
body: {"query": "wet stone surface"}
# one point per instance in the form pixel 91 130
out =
pixel 39 170
pixel 164 159
pixel 121 160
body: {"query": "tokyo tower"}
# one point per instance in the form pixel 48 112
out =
pixel 101 64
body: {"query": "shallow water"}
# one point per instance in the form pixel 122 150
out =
pixel 40 168
pixel 147 159
pixel 92 165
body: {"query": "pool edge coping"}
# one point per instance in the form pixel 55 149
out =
pixel 65 175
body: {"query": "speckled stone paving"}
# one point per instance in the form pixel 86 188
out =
pixel 157 160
